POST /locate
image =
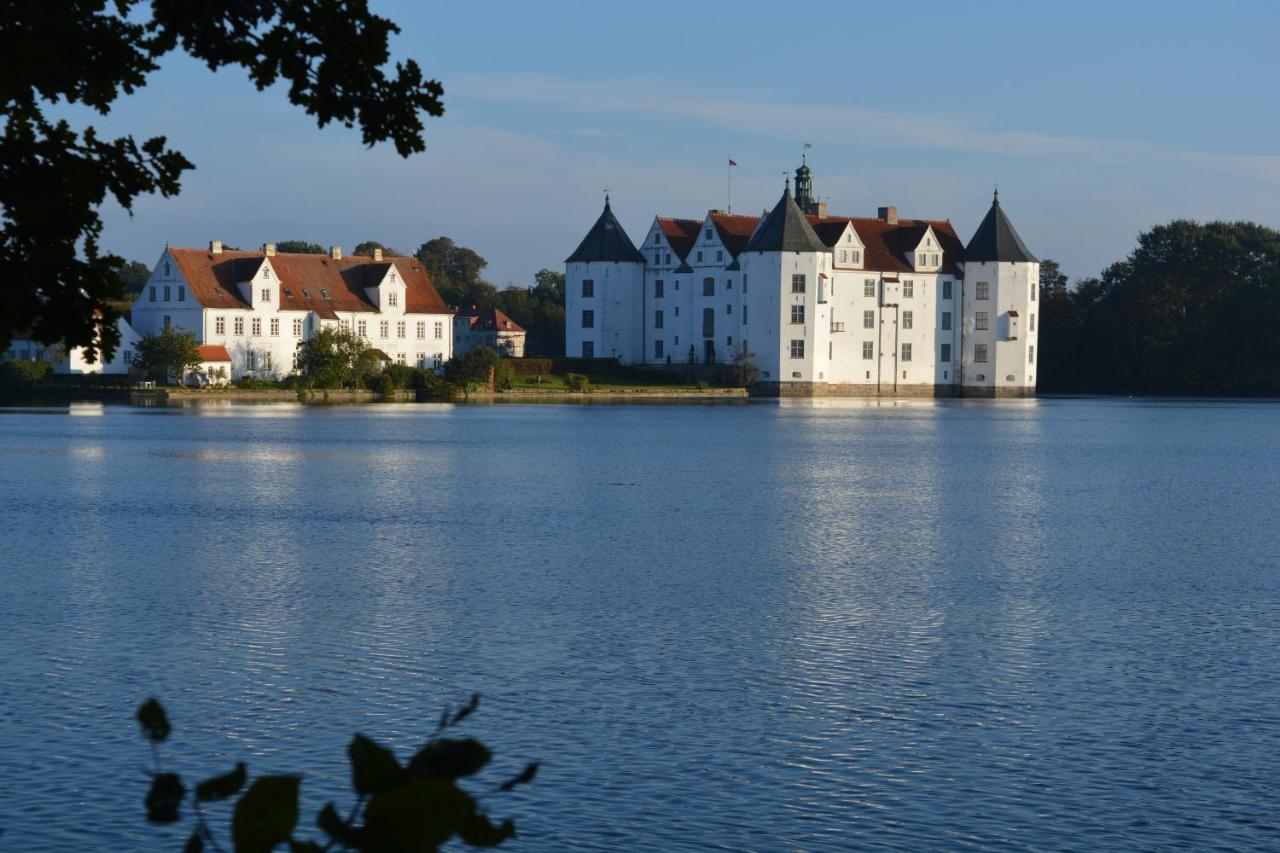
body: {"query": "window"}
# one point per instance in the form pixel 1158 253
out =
pixel 219 325
pixel 982 290
pixel 677 310
pixel 306 294
pixel 182 293
pixel 668 258
pixel 266 294
pixel 933 260
pixel 906 352
pixel 719 256
pixel 797 349
pixel 657 259
pixel 946 290
pixel 922 259
pixel 439 331
pixel 1031 354
pixel 869 287
pixel 728 309
pixel 657 349
pixel 166 293
pixel 868 349
pixel 868 319
pixel 908 319
pixel 391 298
pixel 657 319
pixel 946 321
pixel 844 256
pixel 324 294
pixel 422 361
pixel 699 256
pixel 588 287
pixel 362 328
pixel 266 272
pixel 166 325
pixel 945 358
pixel 400 329
pixel 297 328
pixel 275 328
pixel 980 353
pixel 744 315
pixel 152 295
pixel 239 326
pixel 422 330
pixel 744 282
pixel 857 256
pixel 344 325
pixel 797 315
pixel 257 325
pixel 1033 291
pixel 288 293
pixel 797 283
pixel 708 287
pixel 588 319
pixel 166 269
pixel 706 235
pixel 588 349
pixel 708 322
pixel 1033 323
pixel 400 358
pixel 265 359
pixel 383 328
pixel 980 321
pixel 437 360
pixel 908 289
pixel 729 341
pixel 657 289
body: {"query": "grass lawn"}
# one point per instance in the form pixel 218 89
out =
pixel 618 379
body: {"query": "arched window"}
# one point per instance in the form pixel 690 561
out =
pixel 708 287
pixel 708 322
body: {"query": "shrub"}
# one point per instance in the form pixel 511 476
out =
pixel 530 366
pixel 577 382
pixel 384 385
pixel 401 374
pixel 19 373
pixel 702 384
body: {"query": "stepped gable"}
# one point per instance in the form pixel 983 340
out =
pixel 887 247
pixel 735 230
pixel 213 279
pixel 606 241
pixel 997 240
pixel 680 233
pixel 785 229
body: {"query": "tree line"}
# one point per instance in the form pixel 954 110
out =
pixel 1194 310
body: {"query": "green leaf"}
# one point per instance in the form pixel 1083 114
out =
pixel 373 767
pixel 417 814
pixel 525 777
pixel 450 759
pixel 221 787
pixel 154 721
pixel 477 831
pixel 195 844
pixel 164 798
pixel 266 814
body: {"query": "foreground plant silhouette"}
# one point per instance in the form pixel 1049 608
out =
pixel 412 807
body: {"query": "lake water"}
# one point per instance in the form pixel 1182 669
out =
pixel 951 625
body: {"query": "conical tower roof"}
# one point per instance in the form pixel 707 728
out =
pixel 606 241
pixel 785 230
pixel 996 239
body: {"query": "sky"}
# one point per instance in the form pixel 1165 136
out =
pixel 1097 120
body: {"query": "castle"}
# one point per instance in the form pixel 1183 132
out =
pixel 822 305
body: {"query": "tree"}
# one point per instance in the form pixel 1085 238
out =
pixel 171 353
pixel 476 368
pixel 53 178
pixel 744 371
pixel 366 249
pixel 455 271
pixel 299 247
pixel 134 275
pixel 417 805
pixel 334 358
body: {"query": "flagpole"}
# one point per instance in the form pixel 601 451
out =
pixel 728 171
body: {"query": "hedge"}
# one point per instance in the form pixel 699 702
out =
pixel 530 366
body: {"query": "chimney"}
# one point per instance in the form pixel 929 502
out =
pixel 888 214
pixel 269 249
pixel 335 252
pixel 377 254
pixel 215 247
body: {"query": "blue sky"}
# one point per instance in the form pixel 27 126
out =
pixel 1098 120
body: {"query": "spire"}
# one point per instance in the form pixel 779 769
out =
pixel 785 229
pixel 606 241
pixel 996 239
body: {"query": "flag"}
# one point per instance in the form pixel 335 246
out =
pixel 731 163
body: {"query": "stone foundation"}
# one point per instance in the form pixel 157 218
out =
pixel 833 389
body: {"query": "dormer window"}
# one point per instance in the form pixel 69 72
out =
pixel 266 294
pixel 288 293
pixel 324 294
pixel 306 294
pixel 391 299
pixel 922 259
pixel 266 272
pixel 166 269
pixel 393 278
pixel 857 256
pixel 707 235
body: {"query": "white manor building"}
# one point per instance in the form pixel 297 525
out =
pixel 260 305
pixel 825 305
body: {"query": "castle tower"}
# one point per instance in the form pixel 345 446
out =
pixel 786 271
pixel 805 199
pixel 604 292
pixel 1001 281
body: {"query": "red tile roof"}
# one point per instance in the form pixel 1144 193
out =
pixel 303 278
pixel 734 230
pixel 680 233
pixel 489 320
pixel 213 352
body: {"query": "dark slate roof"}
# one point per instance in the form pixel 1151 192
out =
pixel 785 229
pixel 996 239
pixel 606 241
